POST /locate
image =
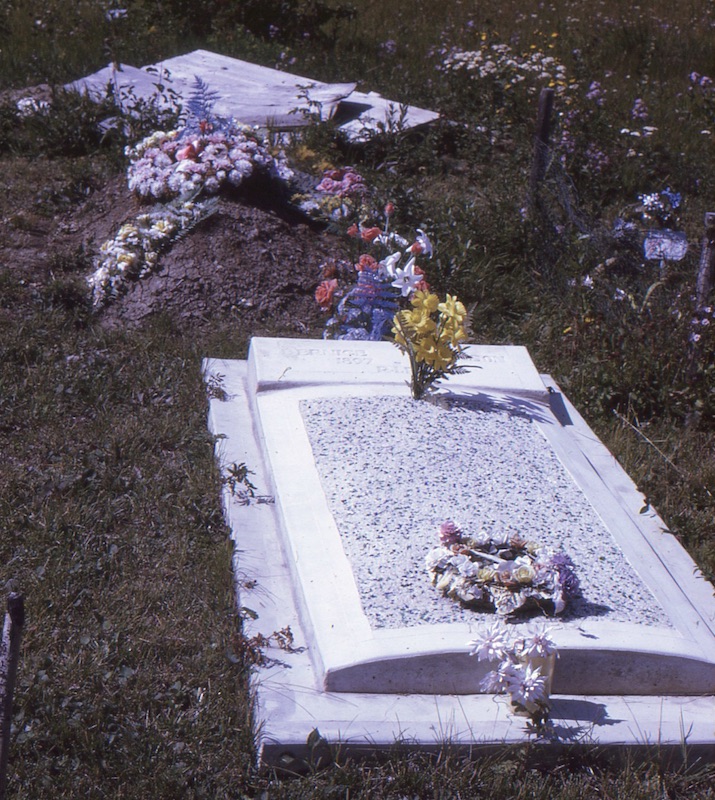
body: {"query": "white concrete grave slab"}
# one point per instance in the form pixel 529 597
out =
pixel 251 93
pixel 362 476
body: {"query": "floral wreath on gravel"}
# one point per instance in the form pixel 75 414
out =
pixel 504 574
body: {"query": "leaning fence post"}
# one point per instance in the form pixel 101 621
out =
pixel 541 145
pixel 9 655
pixel 704 282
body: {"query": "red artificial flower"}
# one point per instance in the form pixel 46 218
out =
pixel 370 234
pixel 353 230
pixel 324 293
pixel 367 262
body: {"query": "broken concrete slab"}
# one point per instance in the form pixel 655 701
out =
pixel 627 676
pixel 252 94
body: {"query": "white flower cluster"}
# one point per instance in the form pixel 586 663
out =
pixel 177 164
pixel 525 666
pixel 499 61
pixel 134 251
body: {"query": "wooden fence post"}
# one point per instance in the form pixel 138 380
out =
pixel 704 282
pixel 9 655
pixel 541 145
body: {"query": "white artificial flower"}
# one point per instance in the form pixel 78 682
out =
pixel 407 280
pixel 425 245
pixel 492 644
pixel 538 644
pixel 387 265
pixel 526 685
pixel 438 558
pixel 387 239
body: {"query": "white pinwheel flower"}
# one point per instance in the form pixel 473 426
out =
pixel 538 644
pixel 526 685
pixel 491 644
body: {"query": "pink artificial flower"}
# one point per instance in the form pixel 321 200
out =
pixel 449 533
pixel 367 262
pixel 191 150
pixel 370 234
pixel 389 209
pixel 353 230
pixel 328 185
pixel 324 293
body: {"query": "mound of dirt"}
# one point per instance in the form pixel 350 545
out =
pixel 255 258
pixel 260 263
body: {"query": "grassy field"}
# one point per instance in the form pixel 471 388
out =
pixel 134 674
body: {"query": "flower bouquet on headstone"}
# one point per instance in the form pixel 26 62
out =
pixel 431 334
pixel 501 573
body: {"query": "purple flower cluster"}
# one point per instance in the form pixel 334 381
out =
pixel 596 93
pixel 598 161
pixel 701 81
pixel 639 110
pixel 564 566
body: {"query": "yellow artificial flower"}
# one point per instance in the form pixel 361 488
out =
pixel 453 309
pixel 425 300
pixel 420 321
pixel 436 354
pixel 397 330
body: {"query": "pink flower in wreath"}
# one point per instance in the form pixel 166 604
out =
pixel 191 150
pixel 449 533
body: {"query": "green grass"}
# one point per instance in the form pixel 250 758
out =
pixel 133 680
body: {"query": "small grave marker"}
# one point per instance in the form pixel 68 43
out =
pixel 252 94
pixel 665 245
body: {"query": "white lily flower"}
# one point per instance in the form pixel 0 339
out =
pixel 407 280
pixel 423 243
pixel 387 265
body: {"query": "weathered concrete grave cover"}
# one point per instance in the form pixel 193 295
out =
pixel 362 476
pixel 252 94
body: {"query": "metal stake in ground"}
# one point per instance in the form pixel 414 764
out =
pixel 707 262
pixel 541 145
pixel 9 654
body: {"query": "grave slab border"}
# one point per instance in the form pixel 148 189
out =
pixel 291 698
